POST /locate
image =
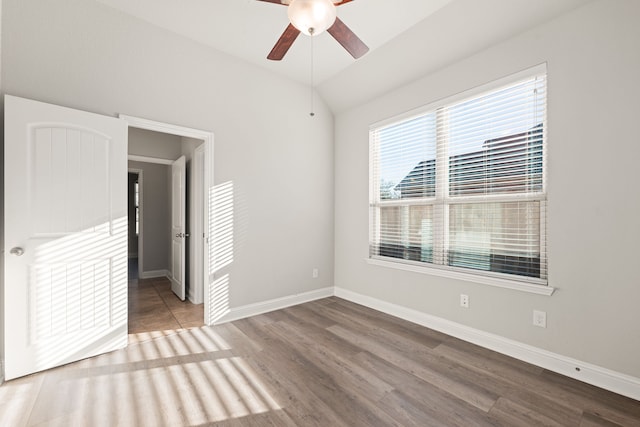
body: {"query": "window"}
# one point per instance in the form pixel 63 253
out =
pixel 460 185
pixel 136 203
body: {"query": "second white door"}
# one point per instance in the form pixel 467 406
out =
pixel 178 226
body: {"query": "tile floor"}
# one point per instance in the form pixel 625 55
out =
pixel 154 307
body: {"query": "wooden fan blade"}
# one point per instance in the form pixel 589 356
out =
pixel 336 3
pixel 277 1
pixel 348 39
pixel 284 43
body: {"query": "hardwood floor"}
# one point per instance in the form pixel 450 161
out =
pixel 324 363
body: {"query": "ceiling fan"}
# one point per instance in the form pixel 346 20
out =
pixel 313 17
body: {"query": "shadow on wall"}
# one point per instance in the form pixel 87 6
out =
pixel 221 227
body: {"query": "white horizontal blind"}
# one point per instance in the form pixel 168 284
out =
pixel 461 185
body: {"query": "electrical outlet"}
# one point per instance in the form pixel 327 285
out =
pixel 314 273
pixel 464 300
pixel 540 318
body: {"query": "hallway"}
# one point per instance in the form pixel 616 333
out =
pixel 154 307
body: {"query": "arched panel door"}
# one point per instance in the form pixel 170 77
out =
pixel 65 228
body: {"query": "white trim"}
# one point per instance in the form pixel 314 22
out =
pixel 152 274
pixel 207 137
pixel 196 241
pixel 209 218
pixel 1 371
pixel 274 304
pixel 616 382
pixel 468 277
pixel 459 200
pixel 146 159
pixel 138 122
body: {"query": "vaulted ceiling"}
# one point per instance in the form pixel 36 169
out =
pixel 406 37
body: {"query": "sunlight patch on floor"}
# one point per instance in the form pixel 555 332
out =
pixel 174 377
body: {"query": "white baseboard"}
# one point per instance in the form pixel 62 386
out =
pixel 152 274
pixel 274 304
pixel 607 379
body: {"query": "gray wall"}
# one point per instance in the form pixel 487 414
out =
pixel 593 57
pixel 156 215
pixel 85 55
pixel 148 143
pixel 156 211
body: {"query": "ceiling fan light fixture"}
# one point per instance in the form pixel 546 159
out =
pixel 311 17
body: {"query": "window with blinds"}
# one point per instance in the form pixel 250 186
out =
pixel 461 185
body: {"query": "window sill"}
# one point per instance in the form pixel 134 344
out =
pixel 485 280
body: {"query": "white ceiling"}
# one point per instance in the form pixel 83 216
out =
pixel 248 29
pixel 420 35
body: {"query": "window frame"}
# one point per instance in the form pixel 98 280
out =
pixel 443 200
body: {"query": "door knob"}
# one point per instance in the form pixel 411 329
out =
pixel 17 251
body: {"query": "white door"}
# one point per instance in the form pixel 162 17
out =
pixel 178 233
pixel 65 228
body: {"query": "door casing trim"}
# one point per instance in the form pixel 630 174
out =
pixel 208 138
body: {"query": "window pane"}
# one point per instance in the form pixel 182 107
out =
pixel 421 233
pixel 500 237
pixel 406 232
pixel 406 161
pixel 495 141
pixel 390 232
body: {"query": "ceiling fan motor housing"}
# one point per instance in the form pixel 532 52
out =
pixel 312 17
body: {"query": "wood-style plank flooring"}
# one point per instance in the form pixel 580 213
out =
pixel 324 363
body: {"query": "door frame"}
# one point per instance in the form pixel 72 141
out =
pixel 196 225
pixel 207 182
